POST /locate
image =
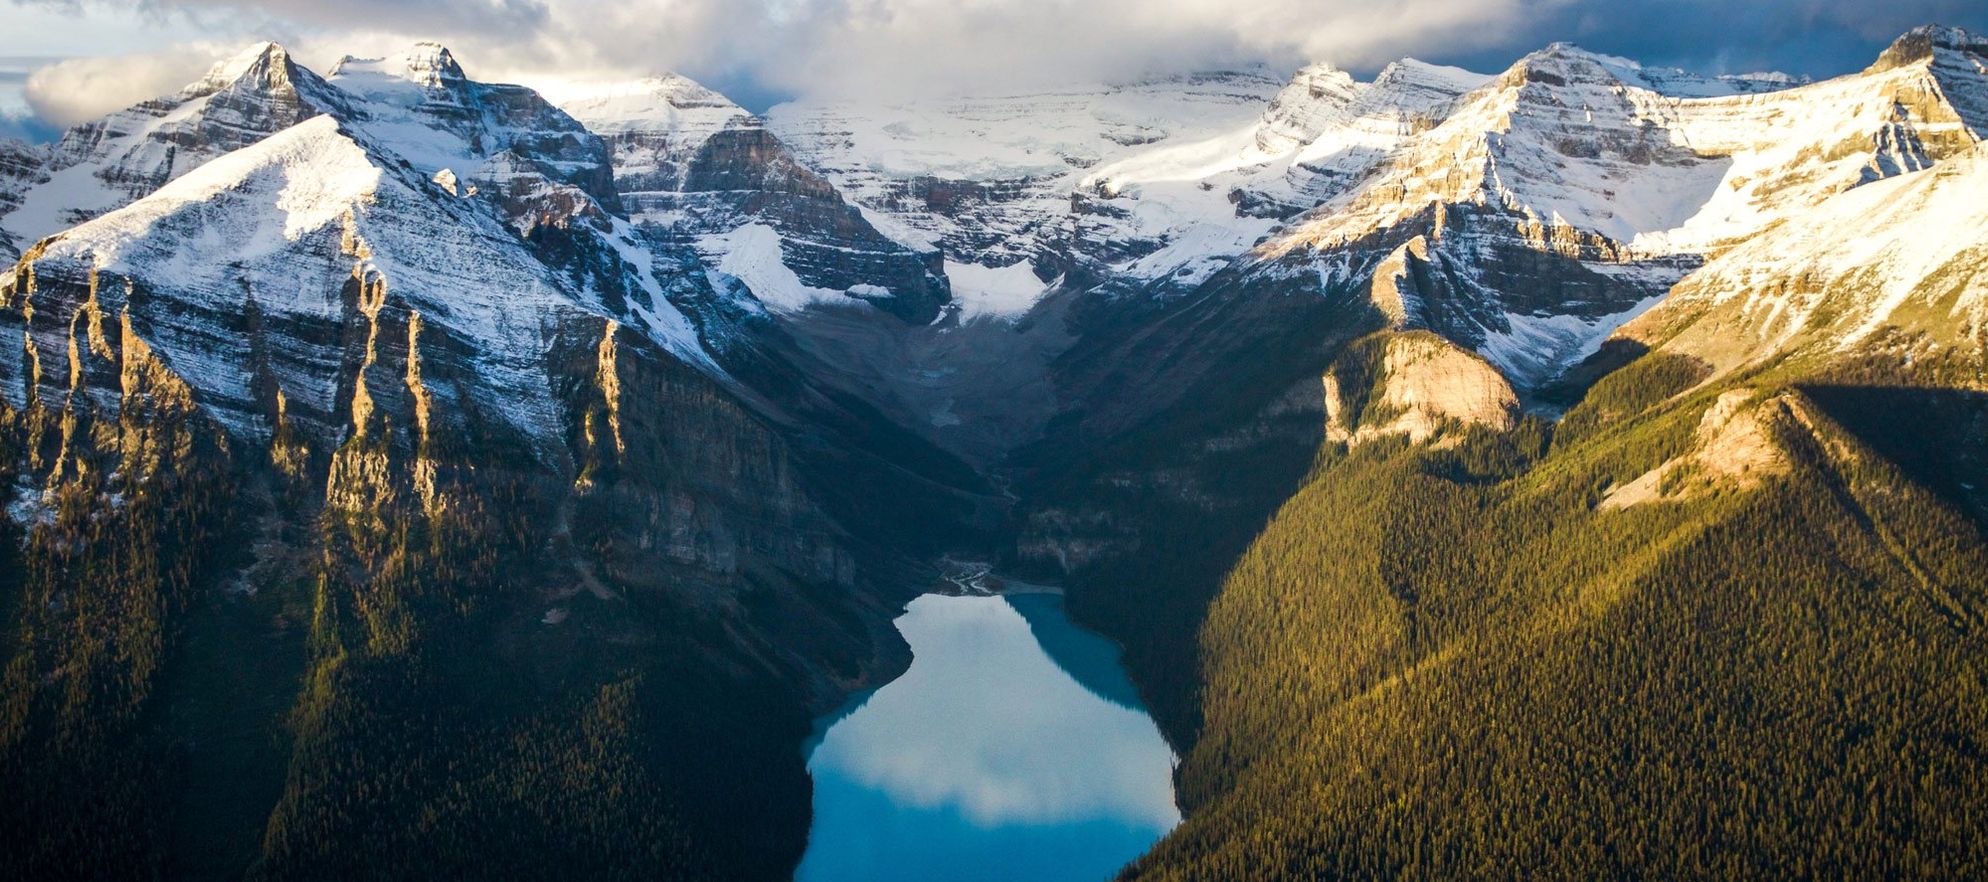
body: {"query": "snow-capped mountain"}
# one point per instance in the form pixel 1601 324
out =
pixel 362 197
pixel 1581 145
pixel 1524 215
pixel 654 125
pixel 422 106
pixel 1209 201
pixel 286 229
pixel 102 165
pixel 1897 269
pixel 988 179
pixel 1620 177
pixel 1626 180
pixel 423 293
pixel 1319 135
pixel 696 171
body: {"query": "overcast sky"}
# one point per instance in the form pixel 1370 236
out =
pixel 762 51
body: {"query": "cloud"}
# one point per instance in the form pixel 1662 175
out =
pixel 77 89
pixel 945 45
pixel 847 46
pixel 775 48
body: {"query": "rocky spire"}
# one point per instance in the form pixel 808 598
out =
pixel 262 66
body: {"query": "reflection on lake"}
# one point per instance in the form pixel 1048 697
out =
pixel 1013 749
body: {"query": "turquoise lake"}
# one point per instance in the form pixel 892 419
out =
pixel 1013 749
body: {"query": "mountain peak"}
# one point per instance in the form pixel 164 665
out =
pixel 1321 69
pixel 1925 42
pixel 322 170
pixel 1956 59
pixel 1561 64
pixel 264 63
pixel 433 63
pixel 665 102
pixel 427 64
pixel 1944 37
pixel 1316 94
pixel 673 89
pixel 1315 80
pixel 682 90
pixel 1416 72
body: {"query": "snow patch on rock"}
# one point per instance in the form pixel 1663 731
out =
pixel 994 291
pixel 752 254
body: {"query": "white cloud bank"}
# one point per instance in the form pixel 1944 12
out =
pixel 835 47
pixel 77 89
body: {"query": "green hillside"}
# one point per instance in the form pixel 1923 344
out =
pixel 1460 660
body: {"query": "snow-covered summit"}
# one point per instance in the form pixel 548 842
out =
pixel 1938 44
pixel 265 64
pixel 426 64
pixel 988 179
pixel 1298 112
pixel 666 103
pixel 1671 81
pixel 106 163
pixel 286 223
pixel 1323 123
pixel 655 126
pixel 1205 202
pixel 1897 265
pixel 422 105
pixel 286 226
pixel 1318 97
pixel 309 174
pixel 1595 145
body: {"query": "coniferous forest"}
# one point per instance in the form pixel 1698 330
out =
pixel 1458 659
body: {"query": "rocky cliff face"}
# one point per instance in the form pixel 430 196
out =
pixel 1414 385
pixel 20 170
pixel 348 280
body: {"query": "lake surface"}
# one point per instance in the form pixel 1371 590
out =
pixel 1013 749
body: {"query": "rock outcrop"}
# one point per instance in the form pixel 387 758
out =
pixel 1419 385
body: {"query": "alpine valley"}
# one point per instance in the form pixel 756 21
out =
pixel 1578 470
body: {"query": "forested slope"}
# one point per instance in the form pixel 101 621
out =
pixel 1500 655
